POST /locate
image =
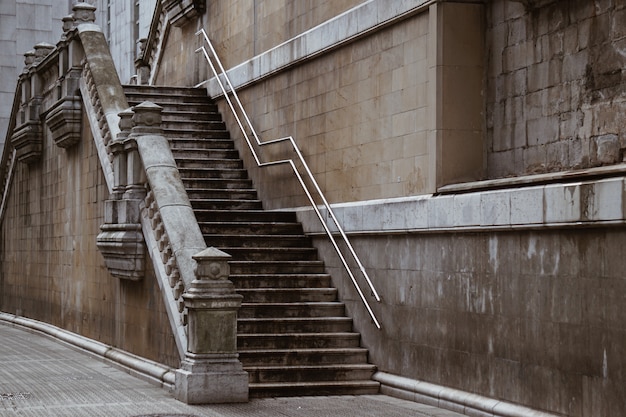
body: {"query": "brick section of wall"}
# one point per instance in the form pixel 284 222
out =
pixel 51 269
pixel 555 86
pixel 534 318
pixel 359 114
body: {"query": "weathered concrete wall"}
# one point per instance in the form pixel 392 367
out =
pixel 531 317
pixel 555 86
pixel 51 269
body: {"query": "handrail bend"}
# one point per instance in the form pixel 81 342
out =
pixel 309 174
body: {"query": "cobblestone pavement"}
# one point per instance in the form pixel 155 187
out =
pixel 40 377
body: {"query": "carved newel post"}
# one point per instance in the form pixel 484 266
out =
pixel 211 371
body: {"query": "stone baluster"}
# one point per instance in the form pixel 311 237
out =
pixel 211 371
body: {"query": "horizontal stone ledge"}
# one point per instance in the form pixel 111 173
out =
pixel 598 203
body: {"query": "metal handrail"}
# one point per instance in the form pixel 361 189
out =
pixel 309 174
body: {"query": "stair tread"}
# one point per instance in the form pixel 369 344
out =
pixel 358 382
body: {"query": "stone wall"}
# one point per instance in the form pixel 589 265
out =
pixel 529 317
pixel 555 86
pixel 51 269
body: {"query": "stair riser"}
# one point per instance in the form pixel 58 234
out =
pixel 201 144
pixel 273 254
pixel 264 268
pixel 296 391
pixel 288 295
pixel 217 183
pixel 296 342
pixel 168 100
pixel 217 173
pixel 196 134
pixel 261 311
pixel 256 241
pixel 205 153
pixel 245 216
pixel 289 375
pixel 277 326
pixel 226 194
pixel 242 228
pixel 278 281
pixel 200 125
pixel 213 163
pixel 190 116
pixel 226 204
pixel 294 358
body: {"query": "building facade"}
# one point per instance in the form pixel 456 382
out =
pixel 472 151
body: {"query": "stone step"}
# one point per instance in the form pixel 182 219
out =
pixel 257 240
pixel 303 309
pixel 217 183
pixel 276 267
pixel 188 125
pixel 199 162
pixel 271 253
pixel 162 98
pixel 291 357
pixel 180 152
pixel 222 194
pixel 211 172
pixel 157 90
pixel 321 388
pixel 310 373
pixel 297 340
pixel 197 134
pixel 252 227
pixel 287 295
pixel 200 143
pixel 245 216
pixel 294 325
pixel 281 280
pixel 187 115
pixel 206 204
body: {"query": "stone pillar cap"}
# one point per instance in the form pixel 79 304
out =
pixel 84 12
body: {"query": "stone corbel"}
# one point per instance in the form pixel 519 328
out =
pixel 121 239
pixel 27 138
pixel 64 120
pixel 179 12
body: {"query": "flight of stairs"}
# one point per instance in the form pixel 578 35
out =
pixel 293 335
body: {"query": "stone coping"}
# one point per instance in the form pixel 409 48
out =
pixel 451 399
pixel 595 203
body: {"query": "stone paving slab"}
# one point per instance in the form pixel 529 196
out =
pixel 40 377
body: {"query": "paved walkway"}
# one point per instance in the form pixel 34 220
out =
pixel 40 377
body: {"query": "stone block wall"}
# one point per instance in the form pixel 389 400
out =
pixel 528 317
pixel 555 86
pixel 51 269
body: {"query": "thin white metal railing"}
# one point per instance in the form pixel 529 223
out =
pixel 297 173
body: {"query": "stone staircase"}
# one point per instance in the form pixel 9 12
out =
pixel 293 335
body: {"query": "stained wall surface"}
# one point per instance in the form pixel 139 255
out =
pixel 532 317
pixel 555 86
pixel 51 269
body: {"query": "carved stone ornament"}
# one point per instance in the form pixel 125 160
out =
pixel 27 141
pixel 179 12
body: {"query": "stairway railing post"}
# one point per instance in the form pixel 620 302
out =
pixel 211 371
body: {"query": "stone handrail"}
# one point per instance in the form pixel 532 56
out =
pixel 155 218
pixel 150 47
